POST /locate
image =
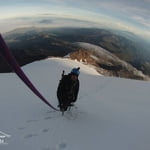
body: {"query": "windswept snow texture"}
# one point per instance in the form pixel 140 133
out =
pixel 110 114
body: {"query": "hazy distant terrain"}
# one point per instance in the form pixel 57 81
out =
pixel 30 44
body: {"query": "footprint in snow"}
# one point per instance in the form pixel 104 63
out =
pixel 45 130
pixel 52 111
pixel 48 118
pixel 30 121
pixel 46 148
pixel 30 136
pixel 21 128
pixel 62 146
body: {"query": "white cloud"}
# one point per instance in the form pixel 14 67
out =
pixel 123 14
pixel 123 26
pixel 142 20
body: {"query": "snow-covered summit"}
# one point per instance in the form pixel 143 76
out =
pixel 110 113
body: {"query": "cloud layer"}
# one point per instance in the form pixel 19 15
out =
pixel 132 15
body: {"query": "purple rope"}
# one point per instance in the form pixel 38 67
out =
pixel 6 53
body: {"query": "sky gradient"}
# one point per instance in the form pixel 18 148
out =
pixel 129 15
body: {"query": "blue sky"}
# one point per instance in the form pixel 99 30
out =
pixel 130 15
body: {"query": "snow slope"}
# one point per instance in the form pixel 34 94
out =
pixel 110 114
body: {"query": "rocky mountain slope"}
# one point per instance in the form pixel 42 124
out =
pixel 106 63
pixel 30 44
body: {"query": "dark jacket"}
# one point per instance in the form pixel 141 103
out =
pixel 67 90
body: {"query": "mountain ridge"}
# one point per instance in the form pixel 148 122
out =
pixel 106 63
pixel 31 44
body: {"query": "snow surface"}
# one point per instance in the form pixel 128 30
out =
pixel 110 114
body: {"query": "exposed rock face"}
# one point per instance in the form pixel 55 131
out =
pixel 114 55
pixel 106 63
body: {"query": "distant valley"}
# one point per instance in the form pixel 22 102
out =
pixel 31 44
